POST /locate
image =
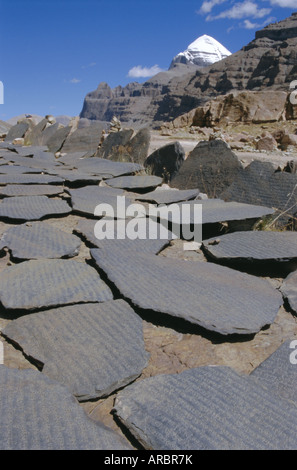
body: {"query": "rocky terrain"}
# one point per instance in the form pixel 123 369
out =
pixel 115 339
pixel 266 63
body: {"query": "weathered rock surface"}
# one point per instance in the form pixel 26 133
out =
pixel 47 417
pixel 289 290
pixel 215 297
pixel 277 373
pixel 134 183
pixel 211 167
pixel 85 200
pixel 32 207
pixel 254 248
pixel 46 283
pixel 86 139
pixel 168 196
pixel 39 240
pixel 101 166
pixel 19 130
pixel 166 161
pixel 31 190
pixel 214 211
pixel 259 183
pixel 20 178
pixel 71 341
pixel 205 409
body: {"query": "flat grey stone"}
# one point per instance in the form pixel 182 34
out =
pixel 40 414
pixel 278 374
pixel 47 283
pixel 259 183
pixel 17 169
pixel 30 179
pixel 211 166
pixel 214 297
pixel 17 131
pixel 101 166
pixel 30 150
pixel 39 240
pixel 113 230
pixel 207 408
pixel 289 290
pixel 76 177
pixel 86 139
pixel 135 182
pixel 254 247
pixel 88 348
pixel 56 141
pixel 168 196
pixel 217 210
pixel 85 200
pixel 32 207
pixel 31 190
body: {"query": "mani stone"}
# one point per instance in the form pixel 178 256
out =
pixel 214 211
pixel 289 290
pixel 279 248
pixel 100 166
pixel 113 146
pixel 56 141
pixel 86 139
pixel 39 240
pixel 29 179
pixel 85 200
pixel 32 207
pixel 38 413
pixel 30 190
pixel 89 348
pixel 206 408
pixel 114 234
pixel 278 374
pixel 134 183
pixel 76 177
pixel 211 166
pixel 17 169
pixel 166 161
pixel 259 183
pixel 214 297
pixel 17 131
pixel 168 196
pixel 47 283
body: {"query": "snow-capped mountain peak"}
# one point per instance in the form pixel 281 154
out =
pixel 204 51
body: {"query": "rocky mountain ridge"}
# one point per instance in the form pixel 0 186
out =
pixel 267 62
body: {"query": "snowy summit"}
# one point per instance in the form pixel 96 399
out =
pixel 204 51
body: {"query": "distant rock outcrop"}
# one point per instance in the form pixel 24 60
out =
pixel 267 62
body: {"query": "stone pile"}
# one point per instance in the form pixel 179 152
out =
pixel 92 310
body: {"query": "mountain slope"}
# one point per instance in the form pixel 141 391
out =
pixel 268 62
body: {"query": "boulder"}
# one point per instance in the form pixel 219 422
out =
pixel 211 167
pixel 166 161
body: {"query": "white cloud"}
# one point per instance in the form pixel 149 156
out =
pixel 75 80
pixel 247 24
pixel 284 3
pixel 242 10
pixel 208 5
pixel 138 71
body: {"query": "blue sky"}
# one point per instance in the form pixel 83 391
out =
pixel 54 52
